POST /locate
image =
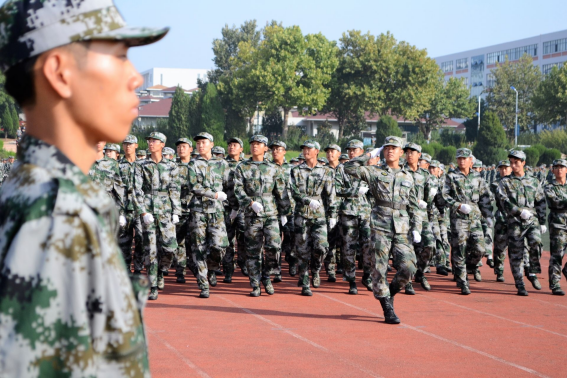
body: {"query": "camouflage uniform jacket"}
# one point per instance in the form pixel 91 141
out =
pixel 262 182
pixel 317 183
pixel 185 194
pixel 106 172
pixel 423 184
pixel 471 190
pixel 206 178
pixel 67 305
pixel 435 205
pixel 346 188
pixel 556 195
pixel 518 193
pixel 392 187
pixel 127 175
pixel 157 187
pixel 499 215
pixel 286 169
pixel 232 201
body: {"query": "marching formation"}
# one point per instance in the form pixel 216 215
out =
pixel 209 211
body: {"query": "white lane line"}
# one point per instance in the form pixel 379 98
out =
pixel 299 337
pixel 471 349
pixel 494 316
pixel 549 303
pixel 178 354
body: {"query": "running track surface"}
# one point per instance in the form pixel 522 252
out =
pixel 491 332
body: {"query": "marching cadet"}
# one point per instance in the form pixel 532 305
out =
pixel 435 218
pixel 500 224
pixel 208 183
pixel 394 217
pixel 218 152
pixel 168 153
pixel 140 154
pixel 354 222
pixel 156 185
pixel 523 203
pixel 79 314
pixel 343 158
pixel 261 191
pixel 105 172
pixel 184 147
pixel 112 151
pixel 334 254
pixel 467 196
pixel 556 196
pixel 312 188
pixel 486 229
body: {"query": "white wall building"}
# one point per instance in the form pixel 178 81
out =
pixel 172 77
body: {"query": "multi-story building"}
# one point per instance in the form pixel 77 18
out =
pixel 173 77
pixel 546 50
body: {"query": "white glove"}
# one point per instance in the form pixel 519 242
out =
pixel 432 192
pixel 465 209
pixel 148 218
pixel 422 204
pixel 362 191
pixel 257 207
pixel 489 222
pixel 525 214
pixel 233 215
pixel 375 152
pixel 416 237
pixel 175 219
pixel 221 196
pixel 122 221
pixel 314 204
pixel 543 229
pixel 283 219
pixel 332 223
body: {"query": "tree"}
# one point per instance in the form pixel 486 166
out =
pixel 471 124
pixel 447 155
pixel 532 156
pixel 212 113
pixel 178 114
pixel 6 121
pixel 491 142
pixel 550 98
pixel 549 155
pixel 385 127
pixel 501 99
pixel 194 114
pixel 287 70
pixel 272 123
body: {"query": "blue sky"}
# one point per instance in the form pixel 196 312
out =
pixel 442 27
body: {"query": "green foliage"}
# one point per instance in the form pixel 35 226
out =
pixel 235 124
pixel 212 113
pixel 178 123
pixel 437 146
pixel 532 156
pixel 447 155
pixel 6 121
pixel 554 139
pixel 528 139
pixel 549 155
pixel 194 114
pixel 324 135
pixel 450 138
pixel 550 97
pixel 272 124
pixel 491 140
pixel 385 127
pixel 295 138
pixel 540 147
pixel 427 149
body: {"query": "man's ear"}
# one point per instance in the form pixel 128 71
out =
pixel 58 67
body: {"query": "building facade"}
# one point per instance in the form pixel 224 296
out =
pixel 173 77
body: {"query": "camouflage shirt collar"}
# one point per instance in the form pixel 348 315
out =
pixel 304 165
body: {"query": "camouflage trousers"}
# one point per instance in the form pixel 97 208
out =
pixel 440 257
pixel 425 249
pixel 356 236
pixel 235 233
pixel 500 245
pixel 518 234
pixel 488 239
pixel 467 246
pixel 335 246
pixel 311 246
pixel 558 239
pixel 263 248
pixel 207 233
pixel 183 246
pixel 403 256
pixel 288 245
pixel 444 228
pixel 160 245
pixel 132 232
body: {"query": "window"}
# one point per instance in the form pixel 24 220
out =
pixel 546 68
pixel 512 54
pixel 462 64
pixel 490 80
pixel 466 81
pixel 447 66
pixel 551 47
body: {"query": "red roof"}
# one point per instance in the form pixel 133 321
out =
pixel 156 109
pixel 156 87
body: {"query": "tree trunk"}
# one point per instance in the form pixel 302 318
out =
pixel 341 128
pixel 285 118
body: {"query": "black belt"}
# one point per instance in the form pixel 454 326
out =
pixel 391 205
pixel 558 211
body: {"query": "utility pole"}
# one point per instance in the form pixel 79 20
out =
pixel 516 129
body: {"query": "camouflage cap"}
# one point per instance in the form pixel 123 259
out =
pixel 258 138
pixel 503 163
pixel 203 136
pixel 195 153
pixel 412 146
pixel 332 147
pixel 355 143
pixel 168 151
pixel 278 143
pixel 131 139
pixel 464 153
pixel 323 160
pixel 141 153
pixel 562 162
pixel 300 156
pixel 218 150
pixel 29 28
pixel 393 141
pixel 311 144
pixel 184 140
pixel 545 165
pixel 294 160
pixel 112 147
pixel 477 164
pixel 517 154
pixel 344 157
pixel 442 166
pixel 156 135
pixel 434 164
pixel 236 140
pixel 425 157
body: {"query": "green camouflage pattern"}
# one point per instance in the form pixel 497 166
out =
pixel 132 232
pixel 67 304
pixel 556 197
pixel 315 183
pixel 206 178
pixel 106 173
pixel 182 228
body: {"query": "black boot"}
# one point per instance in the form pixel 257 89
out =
pixel 522 290
pixel 352 288
pixel 390 316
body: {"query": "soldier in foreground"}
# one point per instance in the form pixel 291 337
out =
pixel 500 224
pixel 81 314
pixel 184 147
pixel 334 254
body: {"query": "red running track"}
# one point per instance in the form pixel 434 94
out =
pixel 491 332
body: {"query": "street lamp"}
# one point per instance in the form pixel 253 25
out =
pixel 478 112
pixel 516 129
